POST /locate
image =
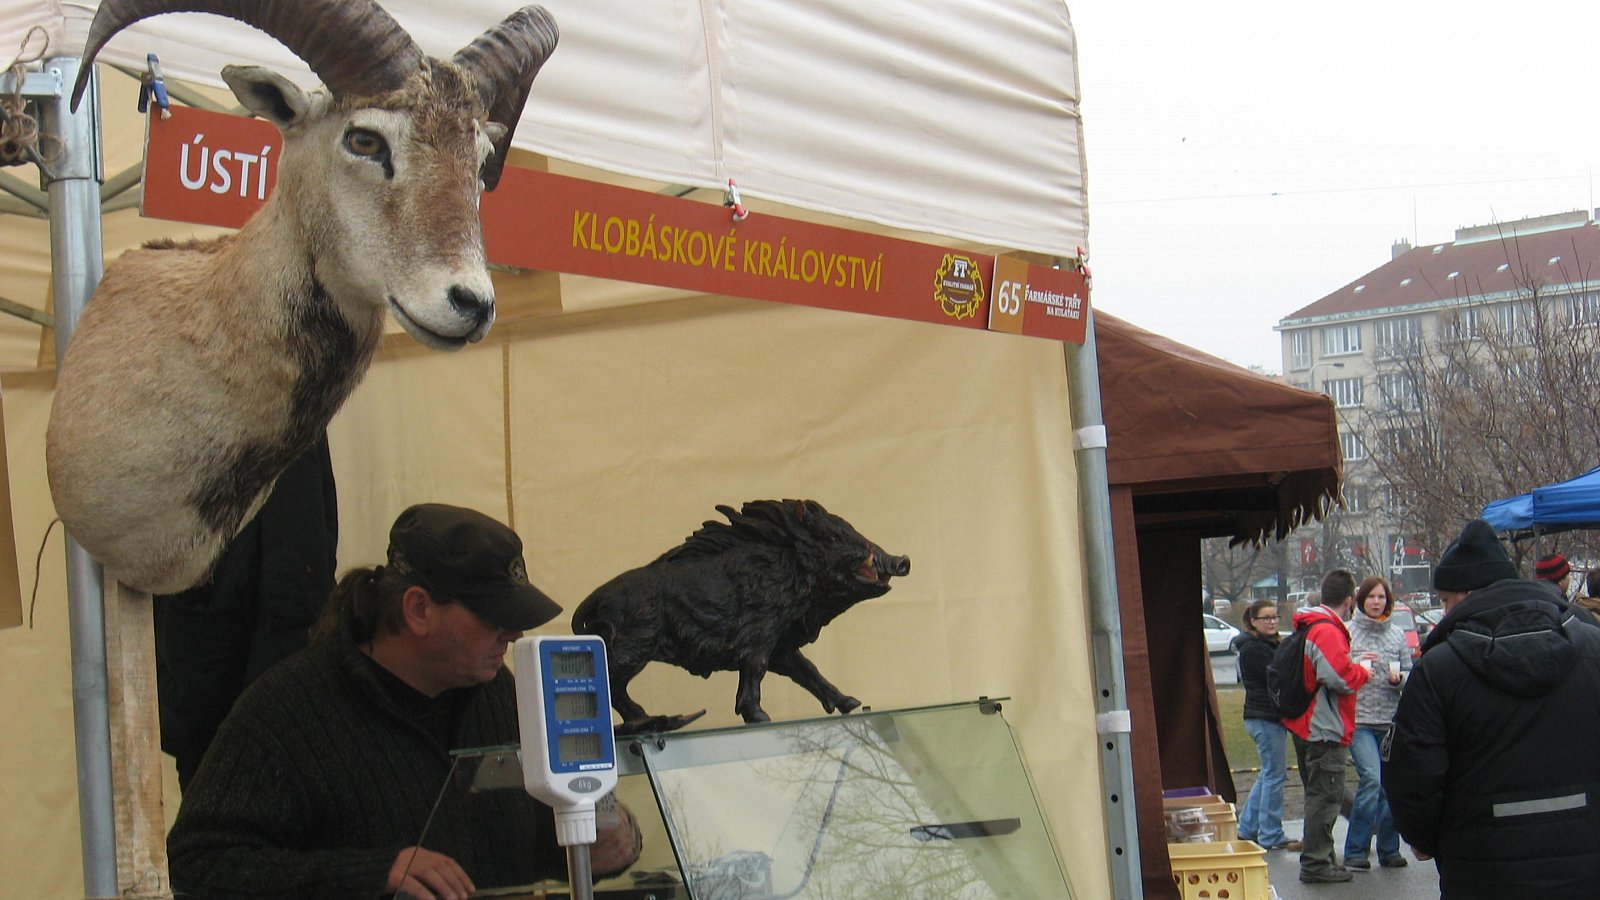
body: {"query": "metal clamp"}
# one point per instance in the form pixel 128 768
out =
pixel 1117 721
pixel 1090 437
pixel 731 198
pixel 153 84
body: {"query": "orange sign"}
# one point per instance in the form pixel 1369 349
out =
pixel 1039 301
pixel 199 167
pixel 208 168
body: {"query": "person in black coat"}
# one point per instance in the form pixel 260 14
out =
pixel 1493 770
pixel 1261 817
pixel 215 639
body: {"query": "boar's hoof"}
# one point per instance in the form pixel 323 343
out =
pixel 846 704
pixel 655 724
pixel 757 715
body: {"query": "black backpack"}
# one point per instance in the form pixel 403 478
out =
pixel 1286 679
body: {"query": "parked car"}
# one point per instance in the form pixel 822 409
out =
pixel 1219 634
pixel 1405 619
pixel 1419 600
pixel 1427 620
pixel 1296 601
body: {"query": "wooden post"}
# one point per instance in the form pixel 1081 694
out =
pixel 135 744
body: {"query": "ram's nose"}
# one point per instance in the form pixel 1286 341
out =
pixel 474 306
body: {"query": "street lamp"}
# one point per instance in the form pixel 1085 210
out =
pixel 1311 375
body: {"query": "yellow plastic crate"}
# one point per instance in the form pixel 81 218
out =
pixel 1226 818
pixel 1221 819
pixel 1220 870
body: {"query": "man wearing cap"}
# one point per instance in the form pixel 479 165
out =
pixel 320 781
pixel 1493 771
pixel 1554 569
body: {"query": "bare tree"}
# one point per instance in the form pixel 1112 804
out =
pixel 1229 571
pixel 1499 399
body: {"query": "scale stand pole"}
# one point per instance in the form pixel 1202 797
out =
pixel 580 878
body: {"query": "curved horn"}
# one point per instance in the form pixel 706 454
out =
pixel 502 63
pixel 353 45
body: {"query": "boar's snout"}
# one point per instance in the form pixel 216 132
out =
pixel 898 565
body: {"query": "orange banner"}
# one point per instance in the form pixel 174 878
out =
pixel 216 169
pixel 208 168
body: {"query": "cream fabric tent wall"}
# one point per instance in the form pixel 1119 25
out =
pixel 608 421
pixel 607 437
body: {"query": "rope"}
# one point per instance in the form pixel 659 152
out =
pixel 20 137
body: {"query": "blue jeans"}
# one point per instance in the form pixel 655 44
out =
pixel 1371 809
pixel 1261 819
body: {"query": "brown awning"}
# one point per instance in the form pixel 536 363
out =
pixel 1197 448
pixel 1208 444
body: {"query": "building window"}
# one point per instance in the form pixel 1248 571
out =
pixel 1339 339
pixel 1583 309
pixel 1509 317
pixel 1398 336
pixel 1399 392
pixel 1400 440
pixel 1346 392
pixel 1300 349
pixel 1467 322
pixel 1355 497
pixel 1351 445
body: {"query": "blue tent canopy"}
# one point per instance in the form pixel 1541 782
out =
pixel 1565 505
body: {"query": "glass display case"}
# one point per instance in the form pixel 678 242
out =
pixel 913 803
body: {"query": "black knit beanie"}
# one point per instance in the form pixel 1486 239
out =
pixel 1474 560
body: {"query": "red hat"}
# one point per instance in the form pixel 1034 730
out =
pixel 1551 568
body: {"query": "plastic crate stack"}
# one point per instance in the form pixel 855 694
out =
pixel 1209 862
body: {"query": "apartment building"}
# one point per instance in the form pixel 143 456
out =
pixel 1352 345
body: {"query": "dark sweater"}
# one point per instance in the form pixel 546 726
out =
pixel 318 779
pixel 1255 654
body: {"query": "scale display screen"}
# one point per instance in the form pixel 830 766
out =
pixel 576 705
pixel 580 747
pixel 571 665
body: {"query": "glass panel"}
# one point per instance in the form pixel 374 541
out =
pixel 487 783
pixel 920 803
pixel 906 804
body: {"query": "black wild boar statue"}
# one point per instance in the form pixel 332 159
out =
pixel 743 596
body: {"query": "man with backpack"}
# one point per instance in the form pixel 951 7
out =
pixel 1327 723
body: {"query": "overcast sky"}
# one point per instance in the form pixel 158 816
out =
pixel 1247 158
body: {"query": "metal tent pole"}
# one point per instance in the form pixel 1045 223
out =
pixel 1110 691
pixel 72 181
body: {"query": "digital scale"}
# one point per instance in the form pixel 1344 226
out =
pixel 569 756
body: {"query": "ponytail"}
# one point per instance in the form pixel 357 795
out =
pixel 366 600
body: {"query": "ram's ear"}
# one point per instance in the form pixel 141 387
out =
pixel 269 95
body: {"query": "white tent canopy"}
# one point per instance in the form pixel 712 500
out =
pixel 825 106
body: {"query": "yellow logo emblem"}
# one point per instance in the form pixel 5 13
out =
pixel 958 286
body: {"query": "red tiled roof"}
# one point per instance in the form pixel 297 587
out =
pixel 1478 266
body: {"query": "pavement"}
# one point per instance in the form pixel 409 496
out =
pixel 1414 882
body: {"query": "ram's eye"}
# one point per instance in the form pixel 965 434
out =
pixel 366 143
